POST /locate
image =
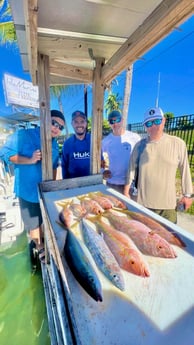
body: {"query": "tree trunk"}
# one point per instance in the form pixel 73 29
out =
pixel 127 94
pixel 65 125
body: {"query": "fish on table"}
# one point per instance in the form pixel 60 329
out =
pixel 102 255
pixel 66 217
pixel 123 248
pixel 78 210
pixel 79 264
pixel 91 206
pixel 158 228
pixel 70 213
pixel 116 202
pixel 145 239
pixel 104 202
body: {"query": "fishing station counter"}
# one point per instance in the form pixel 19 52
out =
pixel 154 310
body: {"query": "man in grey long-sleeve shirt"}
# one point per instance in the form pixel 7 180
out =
pixel 162 155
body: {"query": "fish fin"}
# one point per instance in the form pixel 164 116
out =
pixel 94 217
pixel 82 197
pixel 61 224
pixel 66 228
pixel 62 203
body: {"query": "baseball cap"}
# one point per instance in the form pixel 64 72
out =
pixel 57 113
pixel 113 114
pixel 152 114
pixel 78 113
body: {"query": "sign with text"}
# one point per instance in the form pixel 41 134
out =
pixel 20 92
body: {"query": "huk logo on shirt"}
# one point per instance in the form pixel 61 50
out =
pixel 81 155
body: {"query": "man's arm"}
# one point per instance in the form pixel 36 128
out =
pixel 17 159
pixel 186 180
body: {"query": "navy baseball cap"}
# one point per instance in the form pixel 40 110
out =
pixel 78 113
pixel 57 113
pixel 114 114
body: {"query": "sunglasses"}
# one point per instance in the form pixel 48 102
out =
pixel 112 121
pixel 57 125
pixel 156 122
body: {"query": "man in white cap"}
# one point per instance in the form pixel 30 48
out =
pixel 155 160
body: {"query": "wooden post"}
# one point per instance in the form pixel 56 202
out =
pixel 45 118
pixel 97 118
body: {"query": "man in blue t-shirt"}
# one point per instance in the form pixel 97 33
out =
pixel 23 150
pixel 75 160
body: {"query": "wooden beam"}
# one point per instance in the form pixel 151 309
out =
pixel 97 118
pixel 69 71
pixel 45 117
pixel 30 15
pixel 157 25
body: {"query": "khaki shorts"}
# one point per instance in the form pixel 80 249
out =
pixel 171 215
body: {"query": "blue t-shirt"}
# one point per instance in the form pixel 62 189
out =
pixel 27 176
pixel 75 160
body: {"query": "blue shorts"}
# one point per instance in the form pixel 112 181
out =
pixel 31 214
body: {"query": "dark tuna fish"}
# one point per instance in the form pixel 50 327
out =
pixel 81 267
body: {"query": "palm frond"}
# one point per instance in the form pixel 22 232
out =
pixel 7 33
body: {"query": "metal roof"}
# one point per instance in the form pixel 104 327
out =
pixel 74 33
pixel 18 117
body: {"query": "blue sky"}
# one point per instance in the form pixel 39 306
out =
pixel 172 58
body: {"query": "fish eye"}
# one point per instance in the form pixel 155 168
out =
pixel 115 277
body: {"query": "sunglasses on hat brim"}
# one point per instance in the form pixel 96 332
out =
pixel 117 120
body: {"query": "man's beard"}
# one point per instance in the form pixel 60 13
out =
pixel 80 132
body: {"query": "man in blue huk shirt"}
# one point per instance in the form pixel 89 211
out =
pixel 76 149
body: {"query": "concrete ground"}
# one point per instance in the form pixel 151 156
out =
pixel 186 221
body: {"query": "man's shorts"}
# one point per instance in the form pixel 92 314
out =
pixel 171 215
pixel 31 214
pixel 118 187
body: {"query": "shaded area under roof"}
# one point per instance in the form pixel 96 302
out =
pixel 18 117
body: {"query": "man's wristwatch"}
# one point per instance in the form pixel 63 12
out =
pixel 188 196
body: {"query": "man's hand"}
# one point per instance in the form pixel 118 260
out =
pixel 126 191
pixel 107 174
pixel 37 156
pixel 187 202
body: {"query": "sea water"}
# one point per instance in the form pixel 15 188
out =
pixel 23 317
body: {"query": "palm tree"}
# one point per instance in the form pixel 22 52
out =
pixel 106 129
pixel 113 102
pixel 59 91
pixel 127 94
pixel 7 28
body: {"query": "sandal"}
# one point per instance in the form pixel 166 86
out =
pixel 41 255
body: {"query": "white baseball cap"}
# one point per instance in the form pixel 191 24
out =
pixel 152 114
